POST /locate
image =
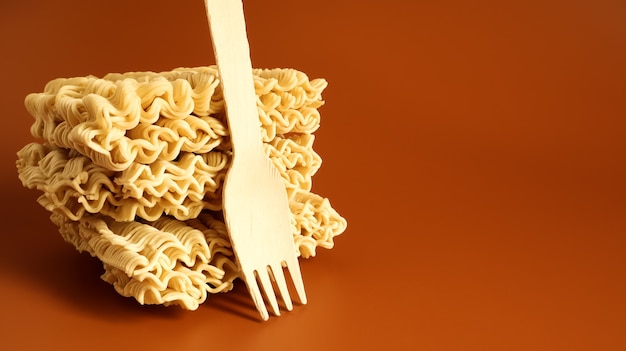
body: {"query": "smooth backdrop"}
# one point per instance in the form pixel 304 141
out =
pixel 476 148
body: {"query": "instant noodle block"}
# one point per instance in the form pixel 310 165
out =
pixel 131 168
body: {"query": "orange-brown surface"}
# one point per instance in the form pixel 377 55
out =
pixel 476 148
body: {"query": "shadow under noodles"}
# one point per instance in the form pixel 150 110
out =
pixel 236 302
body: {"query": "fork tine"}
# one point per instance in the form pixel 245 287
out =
pixel 296 277
pixel 279 278
pixel 266 284
pixel 253 288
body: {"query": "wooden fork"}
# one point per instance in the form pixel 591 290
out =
pixel 256 208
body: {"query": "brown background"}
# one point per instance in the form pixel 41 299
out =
pixel 476 149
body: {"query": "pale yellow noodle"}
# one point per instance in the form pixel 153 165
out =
pixel 295 159
pixel 315 221
pixel 161 262
pixel 132 168
pixel 75 186
pixel 115 123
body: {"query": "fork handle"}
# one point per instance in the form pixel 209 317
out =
pixel 232 55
